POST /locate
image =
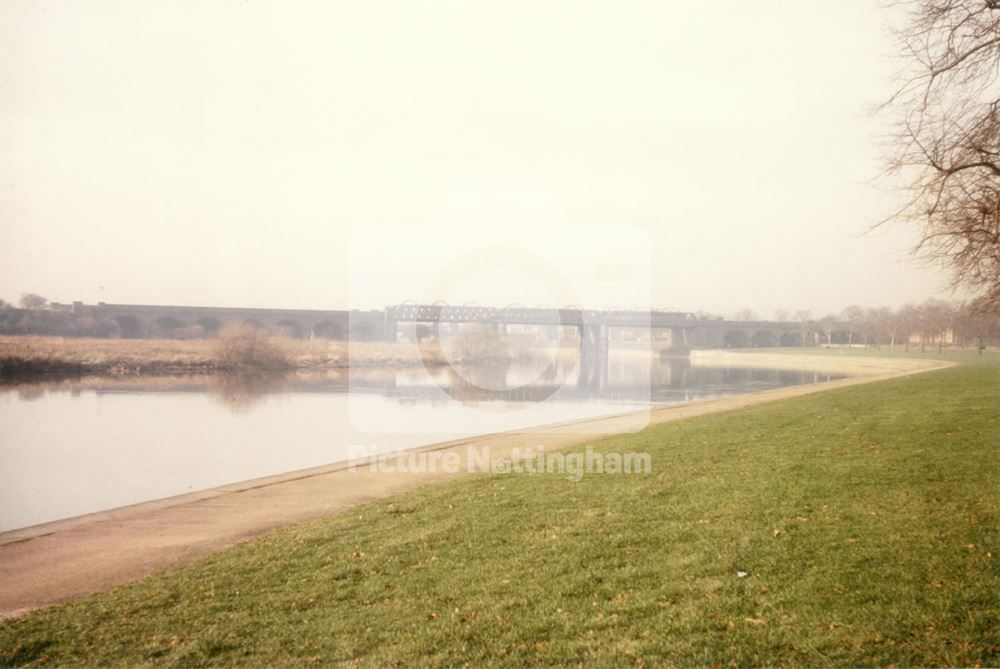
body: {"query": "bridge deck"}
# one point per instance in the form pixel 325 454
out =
pixel 442 313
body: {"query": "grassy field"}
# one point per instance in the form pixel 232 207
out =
pixel 866 521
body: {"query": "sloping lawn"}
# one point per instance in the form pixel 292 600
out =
pixel 866 520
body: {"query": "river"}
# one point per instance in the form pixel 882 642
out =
pixel 77 446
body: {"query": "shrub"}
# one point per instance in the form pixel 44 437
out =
pixel 479 343
pixel 241 346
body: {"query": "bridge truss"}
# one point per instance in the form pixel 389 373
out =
pixel 444 313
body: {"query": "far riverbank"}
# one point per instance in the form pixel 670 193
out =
pixel 39 355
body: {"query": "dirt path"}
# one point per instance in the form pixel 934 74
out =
pixel 67 559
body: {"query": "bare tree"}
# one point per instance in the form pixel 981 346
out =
pixel 781 315
pixel 893 325
pixel 978 326
pixel 946 148
pixel 802 316
pixel 855 318
pixel 32 301
pixel 745 315
pixel 935 318
pixel 908 322
pixel 827 324
pixel 881 320
pixel 942 315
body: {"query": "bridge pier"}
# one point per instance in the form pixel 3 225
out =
pixel 679 339
pixel 594 341
pixel 593 355
pixel 593 368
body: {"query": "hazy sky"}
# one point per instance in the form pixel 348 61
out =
pixel 252 153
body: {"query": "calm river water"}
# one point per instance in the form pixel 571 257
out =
pixel 73 447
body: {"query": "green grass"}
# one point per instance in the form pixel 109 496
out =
pixel 866 518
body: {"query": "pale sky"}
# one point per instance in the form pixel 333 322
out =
pixel 254 153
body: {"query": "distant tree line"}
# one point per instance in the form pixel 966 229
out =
pixel 34 316
pixel 932 323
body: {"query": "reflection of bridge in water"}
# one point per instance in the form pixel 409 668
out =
pixel 630 382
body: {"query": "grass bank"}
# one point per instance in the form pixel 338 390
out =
pixel 866 521
pixel 20 355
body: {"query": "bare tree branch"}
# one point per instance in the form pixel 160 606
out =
pixel 947 140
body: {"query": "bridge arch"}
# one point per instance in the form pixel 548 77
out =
pixel 290 328
pixel 129 327
pixel 328 330
pixel 165 326
pixel 363 331
pixel 209 325
pixel 737 339
pixel 790 339
pixel 169 322
pixel 764 339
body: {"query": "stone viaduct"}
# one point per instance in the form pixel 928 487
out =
pixel 145 320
